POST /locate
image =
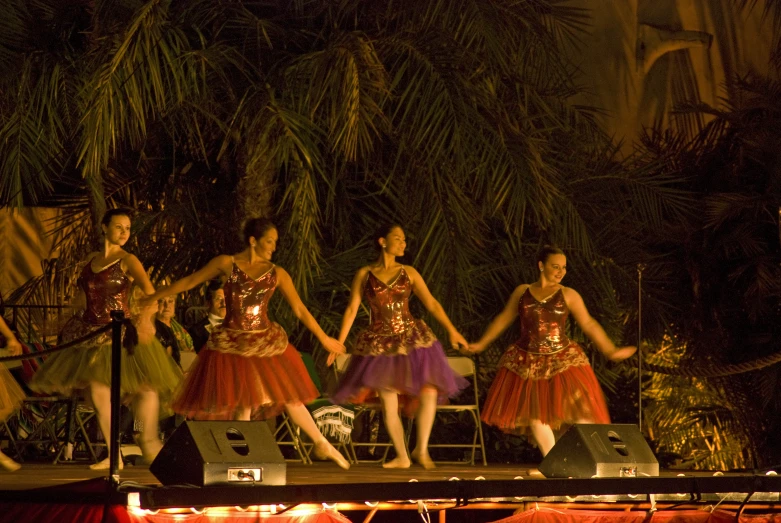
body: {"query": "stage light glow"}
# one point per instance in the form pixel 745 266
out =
pixel 326 506
pixel 771 473
pixel 133 499
pixel 454 478
pixel 372 504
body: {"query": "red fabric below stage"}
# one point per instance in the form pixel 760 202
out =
pixel 71 513
pixel 551 515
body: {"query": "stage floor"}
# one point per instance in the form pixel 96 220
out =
pixel 36 475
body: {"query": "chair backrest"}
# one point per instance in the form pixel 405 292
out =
pixel 462 365
pixel 341 362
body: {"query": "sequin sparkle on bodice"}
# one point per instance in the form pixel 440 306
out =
pixel 543 323
pixel 246 300
pixel 389 304
pixel 105 291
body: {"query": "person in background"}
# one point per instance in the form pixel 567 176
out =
pixel 215 301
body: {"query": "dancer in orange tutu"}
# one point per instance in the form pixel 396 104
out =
pixel 544 379
pixel 11 394
pixel 247 364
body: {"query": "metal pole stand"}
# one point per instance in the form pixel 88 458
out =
pixel 640 269
pixel 117 320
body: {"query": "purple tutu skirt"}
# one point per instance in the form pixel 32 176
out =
pixel 406 374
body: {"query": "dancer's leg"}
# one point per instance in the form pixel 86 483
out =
pixel 100 394
pixel 242 414
pixel 7 463
pixel 424 421
pixel 543 435
pixel 390 412
pixel 147 411
pixel 323 448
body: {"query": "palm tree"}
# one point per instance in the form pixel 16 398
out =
pixel 451 117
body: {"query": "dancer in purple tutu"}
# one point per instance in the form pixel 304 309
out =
pixel 398 354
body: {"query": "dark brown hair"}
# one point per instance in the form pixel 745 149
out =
pixel 256 228
pixel 547 251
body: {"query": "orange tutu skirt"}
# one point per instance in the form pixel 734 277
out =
pixel 218 383
pixel 570 396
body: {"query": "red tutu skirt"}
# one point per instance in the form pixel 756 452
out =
pixel 558 389
pixel 219 383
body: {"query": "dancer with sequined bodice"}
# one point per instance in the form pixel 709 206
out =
pixel 544 379
pixel 397 354
pixel 149 375
pixel 248 365
pixel 11 394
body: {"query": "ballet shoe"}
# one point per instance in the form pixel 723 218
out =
pixel 8 464
pixel 104 465
pixel 423 460
pixel 324 450
pixel 397 463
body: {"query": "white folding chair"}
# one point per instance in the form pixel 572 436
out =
pixel 465 367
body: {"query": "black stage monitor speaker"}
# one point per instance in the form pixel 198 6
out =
pixel 585 451
pixel 220 453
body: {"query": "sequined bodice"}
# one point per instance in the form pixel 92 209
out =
pixel 543 323
pixel 106 291
pixel 389 304
pixel 246 300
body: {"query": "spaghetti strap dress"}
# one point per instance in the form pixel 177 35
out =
pixel 396 352
pixel 247 361
pixel 149 365
pixel 544 376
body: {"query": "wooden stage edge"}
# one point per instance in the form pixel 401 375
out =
pixel 367 486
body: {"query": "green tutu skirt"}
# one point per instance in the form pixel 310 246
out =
pixel 150 366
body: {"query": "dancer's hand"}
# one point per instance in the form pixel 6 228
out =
pixel 14 347
pixel 335 347
pixel 474 348
pixel 457 340
pixel 621 353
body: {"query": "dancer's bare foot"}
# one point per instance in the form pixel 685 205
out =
pixel 424 459
pixel 104 465
pixel 399 462
pixel 324 450
pixel 8 464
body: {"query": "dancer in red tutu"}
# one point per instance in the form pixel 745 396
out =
pixel 247 364
pixel 544 379
pixel 398 354
pixel 149 374
pixel 11 394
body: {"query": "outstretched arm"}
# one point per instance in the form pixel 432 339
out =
pixel 593 329
pixel 420 289
pixel 356 293
pixel 500 323
pixel 137 272
pixel 288 290
pixel 11 343
pixel 216 267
